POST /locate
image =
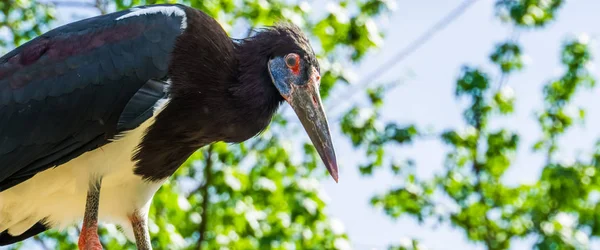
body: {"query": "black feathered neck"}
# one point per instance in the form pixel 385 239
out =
pixel 221 91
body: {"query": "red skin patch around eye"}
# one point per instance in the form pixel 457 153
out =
pixel 296 69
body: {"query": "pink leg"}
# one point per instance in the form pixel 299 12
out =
pixel 88 239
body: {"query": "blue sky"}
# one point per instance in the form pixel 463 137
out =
pixel 427 99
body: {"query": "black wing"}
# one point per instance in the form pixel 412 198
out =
pixel 74 88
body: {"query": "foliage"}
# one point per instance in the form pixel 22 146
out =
pixel 22 20
pixel 559 210
pixel 250 195
pixel 528 13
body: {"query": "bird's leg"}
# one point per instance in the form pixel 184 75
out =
pixel 139 222
pixel 88 239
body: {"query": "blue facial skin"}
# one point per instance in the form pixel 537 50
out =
pixel 282 76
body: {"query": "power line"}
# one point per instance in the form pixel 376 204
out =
pixel 408 50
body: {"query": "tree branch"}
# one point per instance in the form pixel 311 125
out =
pixel 101 5
pixel 203 189
pixel 489 239
pixel 514 38
pixel 41 242
pixel 70 4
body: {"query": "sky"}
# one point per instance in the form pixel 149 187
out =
pixel 427 99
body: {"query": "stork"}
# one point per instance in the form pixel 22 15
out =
pixel 95 115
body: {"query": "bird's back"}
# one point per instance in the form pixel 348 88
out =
pixel 64 98
pixel 64 93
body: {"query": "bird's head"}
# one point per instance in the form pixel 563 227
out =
pixel 294 71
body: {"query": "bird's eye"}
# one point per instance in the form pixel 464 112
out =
pixel 291 60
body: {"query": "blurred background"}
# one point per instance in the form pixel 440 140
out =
pixel 459 124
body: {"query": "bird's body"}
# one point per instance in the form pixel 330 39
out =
pixel 57 196
pixel 124 99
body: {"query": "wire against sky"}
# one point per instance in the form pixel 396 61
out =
pixel 404 53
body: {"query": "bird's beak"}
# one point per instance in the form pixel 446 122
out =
pixel 306 102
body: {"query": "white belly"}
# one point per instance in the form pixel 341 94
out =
pixel 58 195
